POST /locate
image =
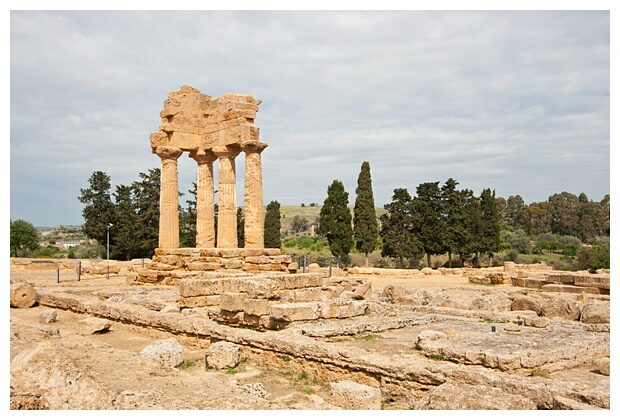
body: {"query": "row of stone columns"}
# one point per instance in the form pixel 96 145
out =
pixel 227 196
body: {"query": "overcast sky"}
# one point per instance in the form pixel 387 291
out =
pixel 515 101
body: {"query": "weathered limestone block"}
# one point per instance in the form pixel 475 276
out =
pixel 393 292
pixel 495 278
pixel 462 396
pixel 538 322
pixel 297 281
pixel 560 308
pixel 534 283
pixel 200 287
pixel 601 282
pixel 603 365
pixel 48 316
pixel 526 303
pixel 561 278
pixel 350 395
pixel 596 313
pixel 66 386
pixel 94 325
pixel 343 308
pixel 204 266
pixel 261 288
pixel 233 264
pixel 492 302
pixel 167 353
pixel 199 301
pixel 310 294
pixel 290 312
pixel 563 288
pixel 223 355
pixel 232 302
pixel 257 307
pixel 363 291
pixel 427 271
pixel 23 295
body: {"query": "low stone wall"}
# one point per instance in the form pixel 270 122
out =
pixel 275 300
pixel 540 276
pixel 404 272
pixel 171 265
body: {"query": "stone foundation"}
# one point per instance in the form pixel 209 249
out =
pixel 273 301
pixel 171 265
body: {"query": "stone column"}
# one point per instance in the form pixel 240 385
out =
pixel 227 196
pixel 253 199
pixel 169 197
pixel 205 202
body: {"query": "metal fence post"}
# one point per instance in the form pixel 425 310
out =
pixel 79 270
pixel 107 271
pixel 330 269
pixel 57 275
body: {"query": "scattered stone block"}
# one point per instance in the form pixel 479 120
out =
pixel 526 303
pixel 223 355
pixel 603 365
pixel 258 307
pixel 350 395
pixel 47 317
pixel 168 353
pixel 560 308
pixel 596 313
pixel 363 291
pixel 23 295
pixel 94 325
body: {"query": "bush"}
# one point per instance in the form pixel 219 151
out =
pixel 593 258
pixel 512 255
pixel 523 245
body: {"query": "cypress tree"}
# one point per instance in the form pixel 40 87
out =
pixel 489 228
pixel 365 226
pixel 272 225
pixel 335 220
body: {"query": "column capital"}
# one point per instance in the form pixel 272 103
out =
pixel 203 156
pixel 253 146
pixel 166 152
pixel 231 150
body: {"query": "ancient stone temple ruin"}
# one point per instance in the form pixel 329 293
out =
pixel 210 129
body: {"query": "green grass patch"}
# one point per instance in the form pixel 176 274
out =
pixel 436 357
pixel 231 371
pixel 186 364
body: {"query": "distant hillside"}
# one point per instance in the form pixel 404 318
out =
pixel 311 213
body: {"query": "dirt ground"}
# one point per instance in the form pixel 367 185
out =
pixel 126 381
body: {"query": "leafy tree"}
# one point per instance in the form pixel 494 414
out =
pixel 300 224
pixel 187 221
pixel 539 218
pixel 272 225
pixel 589 218
pixel 240 227
pixel 516 213
pixel 547 241
pixel 99 210
pixel 24 236
pixel 365 225
pixel 335 220
pixel 146 201
pixel 428 221
pixel 593 258
pixel 563 212
pixel 489 232
pixel 397 231
pixel 603 223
